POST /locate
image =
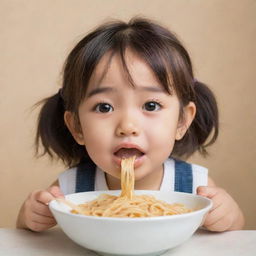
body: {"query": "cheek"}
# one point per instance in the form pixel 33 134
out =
pixel 166 127
pixel 163 133
pixel 95 146
pixel 96 138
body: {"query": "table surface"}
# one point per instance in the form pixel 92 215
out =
pixel 55 242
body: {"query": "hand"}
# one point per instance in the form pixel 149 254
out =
pixel 35 214
pixel 225 213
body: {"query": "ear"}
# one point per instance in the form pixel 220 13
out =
pixel 189 113
pixel 69 118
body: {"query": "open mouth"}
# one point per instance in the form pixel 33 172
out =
pixel 128 152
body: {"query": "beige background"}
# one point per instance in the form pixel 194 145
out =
pixel 36 36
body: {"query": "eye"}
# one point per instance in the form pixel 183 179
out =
pixel 152 106
pixel 103 108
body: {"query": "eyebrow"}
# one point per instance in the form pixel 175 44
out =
pixel 99 91
pixel 110 89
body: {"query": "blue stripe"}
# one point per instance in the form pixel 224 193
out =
pixel 183 177
pixel 85 177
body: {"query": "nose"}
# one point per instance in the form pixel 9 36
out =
pixel 127 127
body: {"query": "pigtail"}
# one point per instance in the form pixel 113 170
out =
pixel 53 134
pixel 205 127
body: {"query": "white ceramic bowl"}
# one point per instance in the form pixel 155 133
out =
pixel 131 236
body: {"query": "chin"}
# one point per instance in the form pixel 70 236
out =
pixel 140 175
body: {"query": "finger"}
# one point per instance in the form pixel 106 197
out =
pixel 206 191
pixel 214 216
pixel 37 226
pixel 45 220
pixel 41 209
pixel 219 219
pixel 220 225
pixel 55 191
pixel 217 195
pixel 44 197
pixel 217 201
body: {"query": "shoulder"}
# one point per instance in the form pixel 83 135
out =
pixel 196 169
pixel 68 172
pixel 200 176
pixel 67 181
pixel 200 170
pixel 199 173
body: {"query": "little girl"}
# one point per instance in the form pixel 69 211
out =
pixel 128 89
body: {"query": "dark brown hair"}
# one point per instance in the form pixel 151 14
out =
pixel 168 59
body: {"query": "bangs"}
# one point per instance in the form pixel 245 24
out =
pixel 158 47
pixel 153 55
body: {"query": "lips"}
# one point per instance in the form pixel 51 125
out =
pixel 128 152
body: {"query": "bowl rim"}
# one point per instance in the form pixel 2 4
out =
pixel 122 219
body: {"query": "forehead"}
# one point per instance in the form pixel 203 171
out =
pixel 111 69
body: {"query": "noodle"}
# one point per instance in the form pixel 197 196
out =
pixel 127 177
pixel 127 204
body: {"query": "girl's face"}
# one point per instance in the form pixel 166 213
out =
pixel 118 120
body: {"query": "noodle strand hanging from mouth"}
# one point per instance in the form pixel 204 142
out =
pixel 127 204
pixel 127 177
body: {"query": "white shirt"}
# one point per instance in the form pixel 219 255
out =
pixel 67 179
